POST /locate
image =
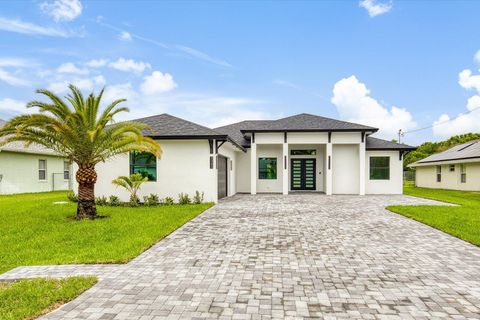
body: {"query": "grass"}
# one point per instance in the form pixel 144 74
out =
pixel 28 299
pixel 35 231
pixel 462 222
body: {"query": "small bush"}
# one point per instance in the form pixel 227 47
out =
pixel 168 201
pixel 198 197
pixel 101 201
pixel 134 201
pixel 184 198
pixel 72 196
pixel 151 200
pixel 114 201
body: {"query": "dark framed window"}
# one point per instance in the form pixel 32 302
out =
pixel 42 169
pixel 463 173
pixel 144 163
pixel 439 173
pixel 308 152
pixel 452 168
pixel 267 168
pixel 379 168
pixel 66 170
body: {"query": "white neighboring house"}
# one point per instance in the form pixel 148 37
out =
pixel 31 169
pixel 301 153
pixel 457 168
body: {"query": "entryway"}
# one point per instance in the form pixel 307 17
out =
pixel 303 174
pixel 222 175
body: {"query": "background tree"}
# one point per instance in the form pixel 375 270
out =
pixel 132 184
pixel 81 131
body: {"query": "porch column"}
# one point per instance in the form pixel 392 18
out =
pixel 285 168
pixel 253 168
pixel 361 158
pixel 328 175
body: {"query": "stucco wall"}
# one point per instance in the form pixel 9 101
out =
pixel 426 177
pixel 227 150
pixel 392 186
pixel 183 167
pixel 20 173
pixel 271 151
pixel 243 172
pixel 345 169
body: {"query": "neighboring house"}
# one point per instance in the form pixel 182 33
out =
pixel 31 169
pixel 457 168
pixel 295 154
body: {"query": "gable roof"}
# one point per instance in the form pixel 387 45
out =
pixel 373 143
pixel 234 130
pixel 464 151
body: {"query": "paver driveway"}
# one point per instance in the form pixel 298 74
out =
pixel 272 256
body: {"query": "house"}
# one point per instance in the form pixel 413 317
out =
pixel 301 153
pixel 32 168
pixel 457 168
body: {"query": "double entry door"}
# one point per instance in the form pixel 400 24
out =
pixel 302 175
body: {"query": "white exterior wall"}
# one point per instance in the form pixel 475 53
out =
pixel 345 169
pixel 183 167
pixel 20 173
pixel 426 177
pixel 392 186
pixel 271 151
pixel 243 172
pixel 230 152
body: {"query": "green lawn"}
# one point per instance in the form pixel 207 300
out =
pixel 28 299
pixel 462 221
pixel 35 231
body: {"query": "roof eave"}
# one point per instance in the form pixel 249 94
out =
pixel 188 137
pixel 392 149
pixel 309 130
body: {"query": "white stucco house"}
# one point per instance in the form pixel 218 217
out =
pixel 457 168
pixel 301 153
pixel 31 169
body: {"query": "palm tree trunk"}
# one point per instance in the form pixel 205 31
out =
pixel 86 178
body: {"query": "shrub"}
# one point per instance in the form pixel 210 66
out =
pixel 198 197
pixel 183 198
pixel 72 196
pixel 168 201
pixel 114 201
pixel 101 201
pixel 134 201
pixel 151 200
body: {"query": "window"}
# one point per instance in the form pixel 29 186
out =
pixel 379 168
pixel 439 173
pixel 452 168
pixel 309 152
pixel 42 169
pixel 267 168
pixel 144 163
pixel 463 173
pixel 66 170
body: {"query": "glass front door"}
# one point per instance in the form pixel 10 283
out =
pixel 302 175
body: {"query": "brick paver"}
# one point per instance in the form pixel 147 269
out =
pixel 293 257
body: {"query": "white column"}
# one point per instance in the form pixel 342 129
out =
pixel 329 167
pixel 361 158
pixel 285 168
pixel 253 168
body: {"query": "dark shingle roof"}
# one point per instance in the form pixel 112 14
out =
pixel 309 122
pixel 468 150
pixel 373 143
pixel 167 126
pixel 234 130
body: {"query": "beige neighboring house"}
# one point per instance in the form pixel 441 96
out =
pixel 31 169
pixel 457 168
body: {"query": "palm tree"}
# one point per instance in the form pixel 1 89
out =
pixel 132 184
pixel 80 131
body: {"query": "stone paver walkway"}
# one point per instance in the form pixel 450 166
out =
pixel 293 257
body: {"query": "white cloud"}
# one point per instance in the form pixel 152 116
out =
pixel 96 63
pixel 16 63
pixel 11 79
pixel 125 36
pixel 158 82
pixel 70 67
pixel 85 84
pixel 19 26
pixel 12 105
pixel 62 10
pixel 374 9
pixel 469 81
pixel 354 103
pixel 476 57
pixel 129 65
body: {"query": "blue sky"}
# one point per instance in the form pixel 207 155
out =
pixel 395 65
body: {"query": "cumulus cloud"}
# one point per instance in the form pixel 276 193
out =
pixel 12 106
pixel 354 103
pixel 96 63
pixel 374 8
pixel 19 26
pixel 62 10
pixel 11 79
pixel 71 68
pixel 125 36
pixel 129 65
pixel 469 81
pixel 86 84
pixel 158 82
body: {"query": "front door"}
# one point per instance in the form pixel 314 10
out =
pixel 222 177
pixel 303 174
